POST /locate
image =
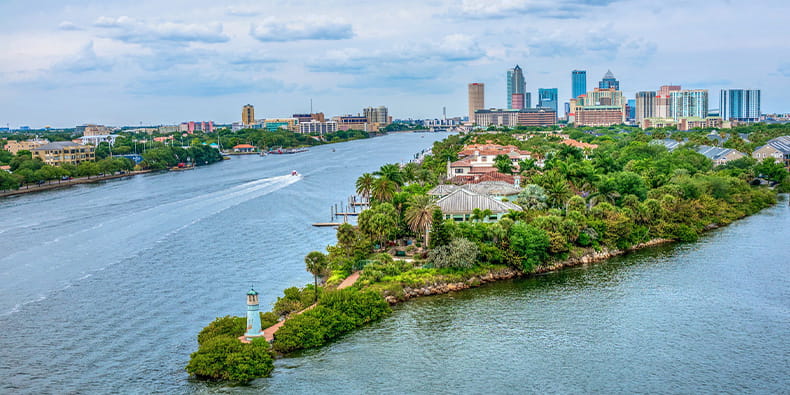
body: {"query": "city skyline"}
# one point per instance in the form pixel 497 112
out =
pixel 123 64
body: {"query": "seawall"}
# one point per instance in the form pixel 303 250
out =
pixel 510 273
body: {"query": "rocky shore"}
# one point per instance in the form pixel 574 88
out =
pixel 509 273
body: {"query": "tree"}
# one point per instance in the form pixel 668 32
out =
pixel 503 163
pixel 770 170
pixel 317 265
pixel 419 214
pixel 439 235
pixel 383 189
pixel 226 358
pixel 379 222
pixel 479 215
pixel 531 243
pixel 532 197
pixel 365 185
pixel 392 172
pixel 459 254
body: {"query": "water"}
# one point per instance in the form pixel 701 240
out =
pixel 104 288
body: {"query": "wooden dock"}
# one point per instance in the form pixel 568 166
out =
pixel 342 214
pixel 327 224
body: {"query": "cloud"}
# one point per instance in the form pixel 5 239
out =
pixel 272 30
pixel 239 11
pixel 85 61
pixel 67 25
pixel 130 30
pixel 453 48
pixel 180 84
pixel 500 9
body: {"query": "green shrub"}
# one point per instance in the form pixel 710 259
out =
pixel 338 312
pixel 226 358
pixel 223 326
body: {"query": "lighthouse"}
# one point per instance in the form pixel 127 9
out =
pixel 253 316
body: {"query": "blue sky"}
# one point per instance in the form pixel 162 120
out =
pixel 64 63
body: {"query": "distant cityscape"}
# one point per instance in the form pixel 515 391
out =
pixel 606 105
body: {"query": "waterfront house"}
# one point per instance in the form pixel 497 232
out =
pixel 478 160
pixel 496 189
pixel 461 204
pixel 243 148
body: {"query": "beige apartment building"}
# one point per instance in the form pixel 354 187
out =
pixel 13 146
pixel 60 152
pixel 477 92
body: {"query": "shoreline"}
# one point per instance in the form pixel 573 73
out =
pixel 498 274
pixel 69 183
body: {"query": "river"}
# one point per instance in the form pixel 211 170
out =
pixel 104 288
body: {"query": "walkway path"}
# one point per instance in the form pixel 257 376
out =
pixel 269 332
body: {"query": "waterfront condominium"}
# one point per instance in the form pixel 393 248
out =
pixel 578 83
pixel 740 105
pixel 477 95
pixel 516 87
pixel 248 115
pixel 609 82
pixel 688 103
pixel 547 98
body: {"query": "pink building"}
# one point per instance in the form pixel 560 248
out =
pixel 200 126
pixel 517 100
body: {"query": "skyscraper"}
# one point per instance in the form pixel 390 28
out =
pixel 477 94
pixel 547 98
pixel 609 81
pixel 376 114
pixel 740 105
pixel 578 83
pixel 645 105
pixel 662 100
pixel 688 103
pixel 516 84
pixel 248 115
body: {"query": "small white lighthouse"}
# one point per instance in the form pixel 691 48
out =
pixel 253 316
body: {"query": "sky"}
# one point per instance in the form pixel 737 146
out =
pixel 65 63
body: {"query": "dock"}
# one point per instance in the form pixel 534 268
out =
pixel 327 224
pixel 344 214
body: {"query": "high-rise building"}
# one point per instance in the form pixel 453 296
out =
pixel 517 101
pixel 248 115
pixel 645 105
pixel 477 99
pixel 516 84
pixel 578 83
pixel 376 114
pixel 688 103
pixel 662 100
pixel 547 98
pixel 630 110
pixel 740 105
pixel 609 81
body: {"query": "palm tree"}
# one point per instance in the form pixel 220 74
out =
pixel 317 265
pixel 365 185
pixel 392 172
pixel 383 189
pixel 480 215
pixel 419 214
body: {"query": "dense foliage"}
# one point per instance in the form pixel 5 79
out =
pixel 337 313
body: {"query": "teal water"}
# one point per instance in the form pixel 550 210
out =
pixel 103 289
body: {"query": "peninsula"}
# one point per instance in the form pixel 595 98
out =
pixel 502 203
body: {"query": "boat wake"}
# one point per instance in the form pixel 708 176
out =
pixel 45 268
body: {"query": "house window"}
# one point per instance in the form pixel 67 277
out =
pixel 459 171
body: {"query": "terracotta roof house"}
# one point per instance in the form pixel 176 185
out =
pixel 578 144
pixel 460 204
pixel 243 148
